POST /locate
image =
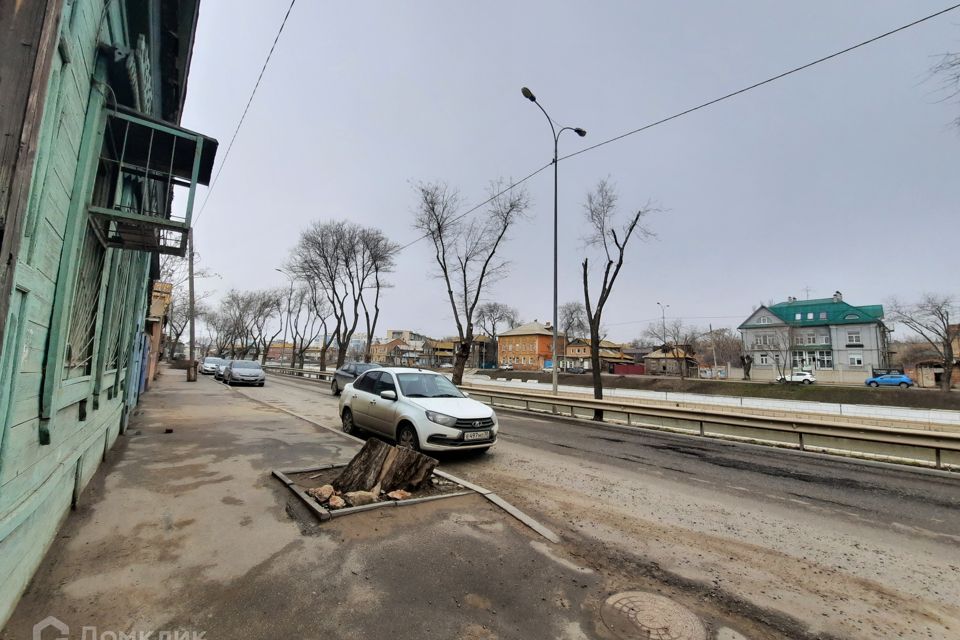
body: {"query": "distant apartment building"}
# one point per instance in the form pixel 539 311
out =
pixel 528 347
pixel 838 341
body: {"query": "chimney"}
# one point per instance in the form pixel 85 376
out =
pixel 837 296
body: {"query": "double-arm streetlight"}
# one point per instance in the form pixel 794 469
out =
pixel 283 347
pixel 556 142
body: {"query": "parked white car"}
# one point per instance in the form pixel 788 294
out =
pixel 802 377
pixel 418 409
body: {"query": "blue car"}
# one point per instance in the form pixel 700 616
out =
pixel 891 380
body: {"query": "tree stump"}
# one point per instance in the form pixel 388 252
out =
pixel 362 472
pixel 407 469
pixel 381 467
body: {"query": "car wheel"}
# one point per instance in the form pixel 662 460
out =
pixel 904 385
pixel 407 437
pixel 808 382
pixel 346 420
pixel 874 384
pixel 335 388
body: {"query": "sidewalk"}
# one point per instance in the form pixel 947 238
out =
pixel 187 531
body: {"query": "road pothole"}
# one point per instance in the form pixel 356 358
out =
pixel 638 615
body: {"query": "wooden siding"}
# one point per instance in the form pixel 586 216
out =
pixel 49 450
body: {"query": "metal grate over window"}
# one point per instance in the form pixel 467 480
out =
pixel 85 307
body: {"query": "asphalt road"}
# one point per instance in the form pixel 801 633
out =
pixel 830 547
pixel 882 495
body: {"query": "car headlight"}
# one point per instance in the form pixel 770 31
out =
pixel 440 418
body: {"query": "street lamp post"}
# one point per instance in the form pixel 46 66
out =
pixel 556 142
pixel 663 320
pixel 283 347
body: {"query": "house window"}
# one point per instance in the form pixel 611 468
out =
pixel 764 319
pixel 825 338
pixel 810 316
pixel 798 340
pixel 853 337
pixel 824 360
pixel 798 316
pixel 812 339
pixel 856 359
pixel 764 359
pixel 798 359
pixel 823 315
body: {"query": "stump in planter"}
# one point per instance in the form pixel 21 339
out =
pixel 380 466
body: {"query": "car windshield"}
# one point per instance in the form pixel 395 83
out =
pixel 427 385
pixel 211 360
pixel 246 364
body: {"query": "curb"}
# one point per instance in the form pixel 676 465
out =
pixel 486 493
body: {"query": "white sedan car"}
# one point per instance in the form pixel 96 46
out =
pixel 803 377
pixel 418 409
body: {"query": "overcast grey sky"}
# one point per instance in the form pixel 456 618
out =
pixel 844 176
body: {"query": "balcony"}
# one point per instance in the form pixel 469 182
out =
pixel 146 182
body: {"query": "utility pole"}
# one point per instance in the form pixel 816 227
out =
pixel 663 320
pixel 713 344
pixel 192 365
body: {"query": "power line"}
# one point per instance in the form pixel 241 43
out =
pixel 698 107
pixel 488 200
pixel 763 82
pixel 245 109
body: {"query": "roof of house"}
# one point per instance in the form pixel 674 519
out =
pixel 810 312
pixel 669 354
pixel 529 329
pixel 604 344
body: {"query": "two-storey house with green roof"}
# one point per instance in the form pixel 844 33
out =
pixel 838 341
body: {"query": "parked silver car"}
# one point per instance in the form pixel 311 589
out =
pixel 218 374
pixel 244 372
pixel 347 374
pixel 418 409
pixel 209 365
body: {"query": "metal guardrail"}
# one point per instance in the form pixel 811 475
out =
pixel 798 433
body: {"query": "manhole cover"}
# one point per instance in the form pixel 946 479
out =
pixel 648 616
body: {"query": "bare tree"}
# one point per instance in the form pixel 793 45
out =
pixel 930 319
pixel 466 250
pixel 380 254
pixel 491 315
pixel 345 264
pixel 676 338
pixel 305 325
pixel 572 320
pixel 948 69
pixel 268 317
pixel 601 209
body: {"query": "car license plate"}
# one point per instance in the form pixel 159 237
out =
pixel 476 435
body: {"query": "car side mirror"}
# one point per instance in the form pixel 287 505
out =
pixel 388 395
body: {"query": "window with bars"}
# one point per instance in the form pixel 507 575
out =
pixel 84 309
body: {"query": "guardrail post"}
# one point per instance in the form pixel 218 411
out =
pixel 801 440
pixel 939 461
pixel 701 427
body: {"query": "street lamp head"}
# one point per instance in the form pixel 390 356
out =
pixel 528 94
pixel 581 132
